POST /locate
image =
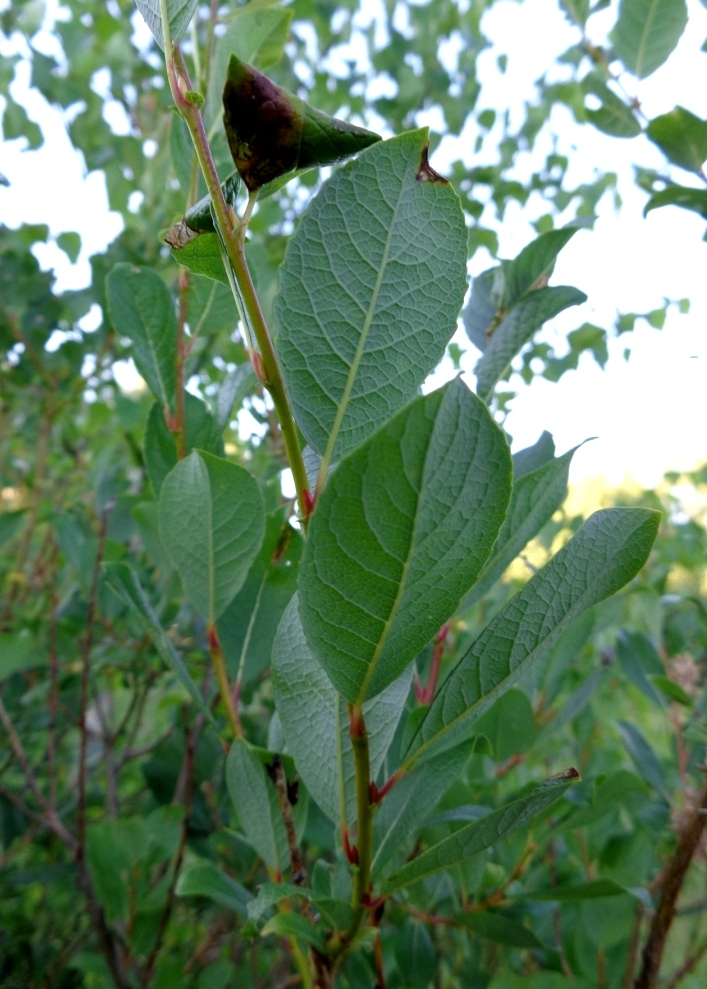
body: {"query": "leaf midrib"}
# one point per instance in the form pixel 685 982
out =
pixel 353 370
pixel 643 45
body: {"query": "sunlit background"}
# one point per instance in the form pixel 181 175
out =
pixel 648 410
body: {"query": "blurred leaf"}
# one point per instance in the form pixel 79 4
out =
pixel 613 117
pixel 499 929
pixel 206 879
pixel 70 243
pixel 297 926
pixel 643 757
pixel 532 457
pixel 679 195
pixel 646 32
pixel 682 137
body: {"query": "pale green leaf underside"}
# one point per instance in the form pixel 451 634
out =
pixel 646 33
pixel 605 554
pixel 400 533
pixel 212 523
pixel 370 290
pixel 408 804
pixel 179 12
pixel 535 499
pixel 124 582
pixel 315 722
pixel 511 335
pixel 479 835
pixel 255 800
pixel 141 308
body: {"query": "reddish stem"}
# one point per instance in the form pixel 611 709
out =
pixel 425 694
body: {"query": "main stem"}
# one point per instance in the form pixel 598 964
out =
pixel 233 240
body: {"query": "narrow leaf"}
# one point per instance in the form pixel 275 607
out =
pixel 609 549
pixel 643 756
pixel 613 117
pixel 315 721
pixel 141 308
pixel 254 797
pixel 400 532
pixel 482 308
pixel 370 290
pixel 159 443
pixel 481 834
pixel 212 524
pixel 124 582
pixel 206 879
pixel 596 889
pixel 297 926
pixel 646 32
pixel 679 195
pixel 534 500
pixel 534 264
pixel 499 929
pixel 511 335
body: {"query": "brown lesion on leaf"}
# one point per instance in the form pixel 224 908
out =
pixel 426 172
pixel 180 235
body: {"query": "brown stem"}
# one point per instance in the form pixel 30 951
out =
pixel 674 876
pixel 284 797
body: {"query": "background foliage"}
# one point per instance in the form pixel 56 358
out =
pixel 168 861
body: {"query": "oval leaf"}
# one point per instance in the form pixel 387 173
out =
pixel 212 523
pixel 399 534
pixel 370 290
pixel 646 32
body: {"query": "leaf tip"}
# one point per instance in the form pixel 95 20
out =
pixel 426 172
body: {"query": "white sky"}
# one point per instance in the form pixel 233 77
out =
pixel 650 413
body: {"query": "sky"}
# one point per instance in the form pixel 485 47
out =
pixel 649 413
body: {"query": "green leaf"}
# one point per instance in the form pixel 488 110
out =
pixel 202 256
pixel 672 690
pixel 400 532
pixel 239 383
pixel 297 926
pixel 211 308
pixel 613 117
pixel 482 834
pixel 70 243
pixel 159 444
pixel 179 15
pixel 513 332
pixel 482 309
pixel 141 308
pixel 255 33
pixel 499 929
pixel 534 264
pixel 271 131
pixel 638 658
pixel 609 549
pixel 533 457
pixel 409 804
pixel 573 706
pixel 10 525
pixel 415 955
pixel 643 757
pixel 212 523
pixel 646 33
pixel 679 195
pixel 124 582
pixel 535 498
pixel 596 889
pixel 255 800
pixel 682 137
pixel 370 290
pixel 338 912
pixel 199 219
pixel 181 150
pixel 247 627
pixel 577 10
pixel 509 725
pixel 18 652
pixel 315 721
pixel 206 879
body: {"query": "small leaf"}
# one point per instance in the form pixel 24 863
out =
pixel 482 834
pixel 70 243
pixel 501 930
pixel 124 582
pixel 409 804
pixel 533 457
pixel 613 117
pixel 682 137
pixel 535 498
pixel 315 721
pixel 159 444
pixel 206 879
pixel 535 263
pixel 18 652
pixel 482 308
pixel 297 926
pixel 643 756
pixel 239 383
pixel 370 290
pixel 141 308
pixel 679 195
pixel 271 131
pixel 212 524
pixel 400 532
pixel 248 625
pixel 198 219
pixel 202 256
pixel 609 549
pixel 596 889
pixel 672 690
pixel 179 14
pixel 646 33
pixel 338 912
pixel 511 335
